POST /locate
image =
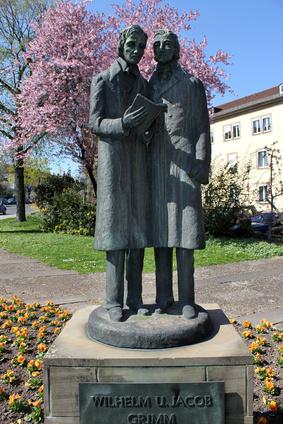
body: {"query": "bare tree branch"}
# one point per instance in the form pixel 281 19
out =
pixel 6 109
pixel 6 134
pixel 8 87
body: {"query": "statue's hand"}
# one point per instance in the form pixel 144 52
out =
pixel 135 118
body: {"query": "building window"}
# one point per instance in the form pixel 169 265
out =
pixel 263 193
pixel 281 89
pixel 266 123
pixel 232 159
pixel 262 159
pixel 227 132
pixel 256 126
pixel 231 131
pixel 236 131
pixel 211 136
pixel 261 124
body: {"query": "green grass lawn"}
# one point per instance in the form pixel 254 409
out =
pixel 76 252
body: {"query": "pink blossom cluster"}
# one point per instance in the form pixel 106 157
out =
pixel 72 44
pixel 69 46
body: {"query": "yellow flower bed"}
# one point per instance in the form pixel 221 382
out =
pixel 26 331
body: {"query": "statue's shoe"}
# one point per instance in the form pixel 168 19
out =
pixel 143 311
pixel 116 314
pixel 138 309
pixel 162 308
pixel 189 311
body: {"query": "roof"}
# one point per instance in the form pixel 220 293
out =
pixel 251 101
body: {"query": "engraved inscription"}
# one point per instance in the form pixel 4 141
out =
pixel 122 401
pixel 152 403
pixel 152 419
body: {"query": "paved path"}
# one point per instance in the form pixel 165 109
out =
pixel 252 288
pixel 11 211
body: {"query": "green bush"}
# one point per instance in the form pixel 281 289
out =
pixel 62 207
pixel 223 199
pixel 54 184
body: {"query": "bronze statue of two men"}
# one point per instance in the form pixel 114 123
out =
pixel 149 183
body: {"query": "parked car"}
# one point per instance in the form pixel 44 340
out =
pixel 3 208
pixel 11 201
pixel 241 224
pixel 261 221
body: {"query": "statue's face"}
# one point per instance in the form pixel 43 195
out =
pixel 164 49
pixel 134 48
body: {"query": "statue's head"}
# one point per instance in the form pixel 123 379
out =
pixel 132 42
pixel 166 46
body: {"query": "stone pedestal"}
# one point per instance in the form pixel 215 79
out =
pixel 74 358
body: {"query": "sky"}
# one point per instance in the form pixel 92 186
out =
pixel 251 31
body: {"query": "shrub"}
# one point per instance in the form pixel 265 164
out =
pixel 62 206
pixel 54 184
pixel 222 198
pixel 68 214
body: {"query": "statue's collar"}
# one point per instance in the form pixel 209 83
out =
pixel 166 70
pixel 121 65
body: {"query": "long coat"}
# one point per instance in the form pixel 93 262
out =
pixel 122 194
pixel 180 154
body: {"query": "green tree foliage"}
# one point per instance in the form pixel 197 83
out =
pixel 16 31
pixel 223 197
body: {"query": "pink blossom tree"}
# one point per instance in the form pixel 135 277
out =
pixel 71 45
pixel 156 14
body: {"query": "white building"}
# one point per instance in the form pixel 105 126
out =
pixel 242 131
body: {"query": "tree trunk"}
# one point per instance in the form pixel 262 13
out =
pixel 92 179
pixel 20 190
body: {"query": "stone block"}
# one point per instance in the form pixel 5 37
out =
pixel 151 374
pixel 250 388
pixel 64 393
pixel 74 358
pixel 235 388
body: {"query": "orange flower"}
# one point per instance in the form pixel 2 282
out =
pixel 13 398
pixel 247 324
pixel 41 389
pixel 262 420
pixel 38 364
pixel 272 405
pixel 21 359
pixel 261 340
pixel 37 402
pixel 42 347
pixel 255 347
pixel 22 320
pixel 7 324
pixel 9 377
pixel 57 330
pixel 35 373
pixel 265 323
pixel 269 385
pixel 247 334
pixel 260 329
pixel 270 372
